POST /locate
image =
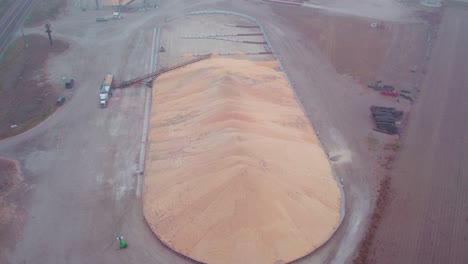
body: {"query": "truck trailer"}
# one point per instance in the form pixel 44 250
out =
pixel 105 92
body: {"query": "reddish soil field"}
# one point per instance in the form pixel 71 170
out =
pixel 426 220
pixel 10 212
pixel 8 176
pixel 360 51
pixel 26 97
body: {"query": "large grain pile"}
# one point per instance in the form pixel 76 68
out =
pixel 234 172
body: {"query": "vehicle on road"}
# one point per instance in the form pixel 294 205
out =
pixel 60 101
pixel 105 92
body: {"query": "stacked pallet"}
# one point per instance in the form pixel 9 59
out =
pixel 386 119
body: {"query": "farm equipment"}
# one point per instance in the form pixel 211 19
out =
pixel 389 93
pixel 149 78
pixel 379 25
pixel 105 92
pixel 407 96
pixel 379 87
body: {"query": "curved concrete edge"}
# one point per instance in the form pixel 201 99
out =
pixel 167 246
pixel 291 85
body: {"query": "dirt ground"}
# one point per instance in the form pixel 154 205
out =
pixel 11 212
pixel 339 105
pixel 426 220
pixel 364 53
pixel 374 9
pixel 26 95
pixel 81 162
pixel 180 48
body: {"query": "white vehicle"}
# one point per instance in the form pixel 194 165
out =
pixel 105 92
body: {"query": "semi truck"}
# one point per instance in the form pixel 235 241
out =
pixel 105 92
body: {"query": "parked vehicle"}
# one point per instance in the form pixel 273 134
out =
pixel 69 83
pixel 60 101
pixel 105 92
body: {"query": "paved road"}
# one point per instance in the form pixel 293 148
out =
pixel 12 20
pixel 427 221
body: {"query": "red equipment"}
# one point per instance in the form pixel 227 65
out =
pixel 389 93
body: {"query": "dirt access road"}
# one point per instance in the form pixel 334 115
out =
pixel 427 220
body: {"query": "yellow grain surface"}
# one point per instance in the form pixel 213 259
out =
pixel 234 172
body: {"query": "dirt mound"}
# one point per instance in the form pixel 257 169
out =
pixel 234 172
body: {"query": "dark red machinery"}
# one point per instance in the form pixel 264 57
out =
pixel 389 93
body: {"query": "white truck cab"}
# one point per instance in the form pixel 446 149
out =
pixel 106 90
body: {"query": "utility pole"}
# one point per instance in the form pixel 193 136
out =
pixel 48 31
pixel 24 39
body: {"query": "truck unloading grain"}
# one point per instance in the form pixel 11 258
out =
pixel 105 91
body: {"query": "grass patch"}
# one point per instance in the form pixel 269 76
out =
pixel 383 197
pixel 27 97
pixel 396 144
pixel 4 6
pixel 44 10
pixel 372 143
pixel 44 116
pixel 11 51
